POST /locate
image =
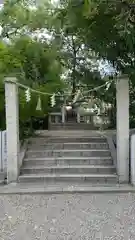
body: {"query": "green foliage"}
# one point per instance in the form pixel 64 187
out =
pixel 82 32
pixel 107 28
pixel 32 60
pixel 21 17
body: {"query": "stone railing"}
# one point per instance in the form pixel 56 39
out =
pixel 85 118
pixel 132 157
pixel 3 151
pixel 131 154
pixel 55 117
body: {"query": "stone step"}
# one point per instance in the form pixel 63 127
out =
pixel 67 188
pixel 92 178
pixel 74 169
pixel 67 161
pixel 70 126
pixel 70 145
pixel 67 139
pixel 68 153
pixel 71 123
pixel 60 133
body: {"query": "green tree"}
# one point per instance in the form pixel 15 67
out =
pixel 31 59
pixel 107 28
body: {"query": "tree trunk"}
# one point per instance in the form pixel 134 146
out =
pixel 74 69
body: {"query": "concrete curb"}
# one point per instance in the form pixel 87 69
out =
pixel 17 189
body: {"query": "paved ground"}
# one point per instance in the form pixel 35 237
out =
pixel 67 217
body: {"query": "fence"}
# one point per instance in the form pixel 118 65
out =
pixel 3 151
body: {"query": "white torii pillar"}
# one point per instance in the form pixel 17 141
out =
pixel 122 98
pixel 12 128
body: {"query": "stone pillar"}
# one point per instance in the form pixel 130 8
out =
pixel 12 127
pixel 63 114
pixel 122 97
pixel 50 119
pixel 56 119
pixel 78 117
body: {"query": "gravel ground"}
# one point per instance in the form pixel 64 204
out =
pixel 67 217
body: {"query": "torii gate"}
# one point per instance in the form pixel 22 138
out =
pixel 12 125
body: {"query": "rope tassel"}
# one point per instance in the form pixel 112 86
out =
pixel 39 108
pixel 28 95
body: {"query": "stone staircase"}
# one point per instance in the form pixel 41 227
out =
pixel 69 160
